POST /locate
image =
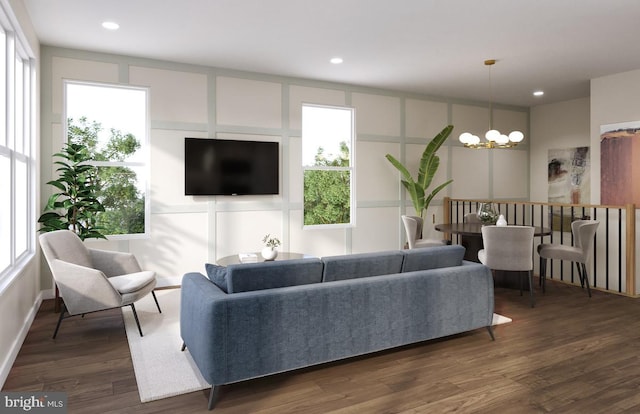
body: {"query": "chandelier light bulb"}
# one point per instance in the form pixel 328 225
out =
pixel 502 139
pixel 465 138
pixel 516 136
pixel 492 135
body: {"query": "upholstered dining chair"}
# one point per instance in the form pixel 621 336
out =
pixel 509 248
pixel 583 233
pixel 472 218
pixel 413 227
pixel 92 280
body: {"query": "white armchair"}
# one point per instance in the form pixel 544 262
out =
pixel 92 280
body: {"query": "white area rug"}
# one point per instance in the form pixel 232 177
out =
pixel 499 319
pixel 161 369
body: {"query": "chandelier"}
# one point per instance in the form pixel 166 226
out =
pixel 494 139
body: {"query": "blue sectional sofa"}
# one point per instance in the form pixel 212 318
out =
pixel 250 320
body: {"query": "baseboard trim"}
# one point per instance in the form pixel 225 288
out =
pixel 5 368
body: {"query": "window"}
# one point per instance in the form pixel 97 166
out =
pixel 328 165
pixel 111 121
pixel 17 164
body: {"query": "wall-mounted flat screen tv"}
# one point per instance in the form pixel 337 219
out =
pixel 230 167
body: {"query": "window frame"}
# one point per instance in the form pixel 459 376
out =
pixel 351 168
pixel 17 146
pixel 145 164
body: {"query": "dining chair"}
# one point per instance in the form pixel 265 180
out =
pixel 472 218
pixel 583 232
pixel 92 280
pixel 413 227
pixel 509 248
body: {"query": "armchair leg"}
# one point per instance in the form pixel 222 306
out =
pixel 62 312
pixel 533 301
pixel 580 274
pixel 520 274
pixel 586 278
pixel 135 315
pixel 543 273
pixel 156 299
pixel 184 346
pixel 213 396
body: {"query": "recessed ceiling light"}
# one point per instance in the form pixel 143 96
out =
pixel 336 60
pixel 110 25
pixel 538 93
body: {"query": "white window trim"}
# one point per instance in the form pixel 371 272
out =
pixel 146 153
pixel 17 47
pixel 351 169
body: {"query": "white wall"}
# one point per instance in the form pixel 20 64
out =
pixel 186 100
pixel 557 126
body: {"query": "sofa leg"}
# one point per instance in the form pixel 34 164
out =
pixel 184 346
pixel 213 396
pixel 490 330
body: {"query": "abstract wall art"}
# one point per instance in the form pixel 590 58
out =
pixel 620 163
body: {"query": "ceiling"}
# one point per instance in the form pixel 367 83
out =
pixel 432 47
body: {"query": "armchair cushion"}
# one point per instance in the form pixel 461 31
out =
pixel 218 275
pixel 132 282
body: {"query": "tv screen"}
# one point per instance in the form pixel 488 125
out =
pixel 230 167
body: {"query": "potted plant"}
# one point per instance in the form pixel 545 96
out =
pixel 75 206
pixel 429 163
pixel 270 252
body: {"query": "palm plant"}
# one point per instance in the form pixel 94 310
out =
pixel 429 163
pixel 75 205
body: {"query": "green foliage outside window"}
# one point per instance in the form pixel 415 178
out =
pixel 116 185
pixel 327 191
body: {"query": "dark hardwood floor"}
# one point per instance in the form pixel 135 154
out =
pixel 569 354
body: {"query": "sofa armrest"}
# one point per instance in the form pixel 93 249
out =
pixel 114 263
pixel 203 321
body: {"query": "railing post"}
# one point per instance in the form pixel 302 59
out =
pixel 446 204
pixel 446 215
pixel 631 248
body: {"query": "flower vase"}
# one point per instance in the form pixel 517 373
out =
pixel 269 253
pixel 487 213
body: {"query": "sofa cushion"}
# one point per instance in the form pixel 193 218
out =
pixel 432 257
pixel 353 266
pixel 274 274
pixel 218 275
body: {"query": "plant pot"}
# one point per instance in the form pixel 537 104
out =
pixel 269 253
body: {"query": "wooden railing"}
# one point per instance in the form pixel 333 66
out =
pixel 613 265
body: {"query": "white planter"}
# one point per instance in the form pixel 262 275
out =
pixel 269 253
